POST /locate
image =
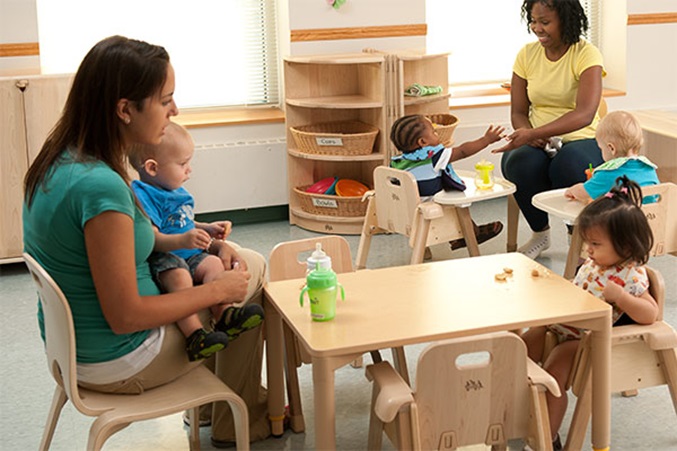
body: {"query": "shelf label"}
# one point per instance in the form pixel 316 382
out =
pixel 325 203
pixel 327 141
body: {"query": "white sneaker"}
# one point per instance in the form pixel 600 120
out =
pixel 539 242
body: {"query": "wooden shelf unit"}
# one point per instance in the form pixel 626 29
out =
pixel 368 87
pixel 332 89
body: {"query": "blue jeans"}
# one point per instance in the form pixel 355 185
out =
pixel 533 172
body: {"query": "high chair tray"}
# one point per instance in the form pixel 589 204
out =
pixel 471 194
pixel 555 203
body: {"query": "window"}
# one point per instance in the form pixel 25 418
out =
pixel 483 36
pixel 224 52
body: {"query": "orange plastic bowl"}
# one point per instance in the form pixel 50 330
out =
pixel 350 188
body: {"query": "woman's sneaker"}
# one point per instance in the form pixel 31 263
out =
pixel 539 242
pixel 202 344
pixel 236 320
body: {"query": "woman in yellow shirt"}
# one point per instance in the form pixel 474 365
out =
pixel 555 94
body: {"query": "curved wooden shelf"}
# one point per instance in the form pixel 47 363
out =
pixel 326 224
pixel 347 158
pixel 337 102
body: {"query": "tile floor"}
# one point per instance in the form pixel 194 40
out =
pixel 640 423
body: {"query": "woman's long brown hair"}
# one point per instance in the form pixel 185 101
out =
pixel 115 68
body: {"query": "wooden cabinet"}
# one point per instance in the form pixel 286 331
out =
pixel 366 87
pixel 335 88
pixel 29 108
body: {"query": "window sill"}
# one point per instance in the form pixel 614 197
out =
pixel 214 117
pixel 477 96
pixel 480 96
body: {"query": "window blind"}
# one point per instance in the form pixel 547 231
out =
pixel 224 52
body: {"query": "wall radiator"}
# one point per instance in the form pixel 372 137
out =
pixel 239 175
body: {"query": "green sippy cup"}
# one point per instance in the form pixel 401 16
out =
pixel 484 177
pixel 322 288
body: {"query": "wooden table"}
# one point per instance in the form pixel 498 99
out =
pixel 404 305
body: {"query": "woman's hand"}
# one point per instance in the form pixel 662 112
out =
pixel 521 137
pixel 229 256
pixel 233 285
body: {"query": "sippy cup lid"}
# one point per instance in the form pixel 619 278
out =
pixel 318 256
pixel 321 278
pixel 484 165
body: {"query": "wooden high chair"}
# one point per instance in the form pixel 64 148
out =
pixel 287 260
pixel 641 356
pixel 114 412
pixel 662 216
pixel 396 207
pixel 470 390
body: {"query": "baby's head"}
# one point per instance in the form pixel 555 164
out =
pixel 165 165
pixel 412 132
pixel 619 134
pixel 618 216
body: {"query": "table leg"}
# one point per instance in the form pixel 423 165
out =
pixel 601 386
pixel 275 370
pixel 324 402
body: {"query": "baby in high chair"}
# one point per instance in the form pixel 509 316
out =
pixel 430 162
pixel 620 137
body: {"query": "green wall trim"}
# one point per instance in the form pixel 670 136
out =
pixel 248 215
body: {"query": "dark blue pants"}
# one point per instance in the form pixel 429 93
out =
pixel 534 172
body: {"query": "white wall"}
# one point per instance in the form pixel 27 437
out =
pixel 650 77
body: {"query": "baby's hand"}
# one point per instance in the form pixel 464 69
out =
pixel 569 195
pixel 195 239
pixel 219 229
pixel 612 291
pixel 495 133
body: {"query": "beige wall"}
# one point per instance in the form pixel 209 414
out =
pixel 649 79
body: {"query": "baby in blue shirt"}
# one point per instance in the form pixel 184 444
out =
pixel 620 137
pixel 186 252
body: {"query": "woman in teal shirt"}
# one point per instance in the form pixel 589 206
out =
pixel 82 224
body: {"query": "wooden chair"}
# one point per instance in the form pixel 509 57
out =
pixel 471 390
pixel 396 207
pixel 114 412
pixel 662 216
pixel 287 260
pixel 641 356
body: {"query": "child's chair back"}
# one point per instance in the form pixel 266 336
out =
pixel 662 217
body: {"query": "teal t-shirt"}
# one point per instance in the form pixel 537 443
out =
pixel 54 235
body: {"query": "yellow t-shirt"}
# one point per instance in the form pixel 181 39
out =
pixel 552 85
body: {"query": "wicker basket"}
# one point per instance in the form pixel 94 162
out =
pixel 445 124
pixel 328 205
pixel 335 138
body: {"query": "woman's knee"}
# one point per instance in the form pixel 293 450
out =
pixel 523 163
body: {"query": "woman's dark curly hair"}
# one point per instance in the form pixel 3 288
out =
pixel 573 21
pixel 620 215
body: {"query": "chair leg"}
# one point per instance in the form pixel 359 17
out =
pixel 540 420
pixel 513 223
pixel 400 361
pixel 241 421
pixel 422 229
pixel 297 422
pixel 194 437
pixel 668 360
pixel 581 417
pixel 101 429
pixel 369 228
pixel 573 255
pixel 58 401
pixel 468 231
pixel 375 437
